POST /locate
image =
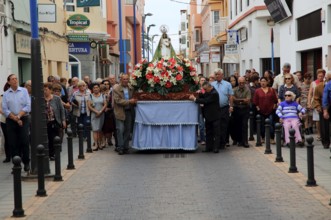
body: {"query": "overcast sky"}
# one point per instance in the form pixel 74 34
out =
pixel 165 12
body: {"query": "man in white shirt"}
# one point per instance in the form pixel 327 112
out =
pixel 279 79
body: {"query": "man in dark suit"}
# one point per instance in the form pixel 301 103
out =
pixel 211 112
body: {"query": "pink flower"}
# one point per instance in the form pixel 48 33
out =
pixel 180 69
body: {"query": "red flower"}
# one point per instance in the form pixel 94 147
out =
pixel 156 79
pixel 180 69
pixel 159 65
pixel 168 84
pixel 150 65
pixel 164 73
pixel 149 76
pixel 179 77
pixel 192 69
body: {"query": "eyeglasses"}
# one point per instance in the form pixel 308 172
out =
pixel 288 95
pixel 287 78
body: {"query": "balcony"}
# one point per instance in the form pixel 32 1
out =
pixel 220 26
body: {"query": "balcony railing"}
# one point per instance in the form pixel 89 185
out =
pixel 221 26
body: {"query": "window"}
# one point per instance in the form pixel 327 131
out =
pixel 216 17
pixel 183 26
pixel 197 36
pixel 247 2
pixel 188 44
pixel 87 9
pixel 216 23
pixel 266 65
pixel 69 5
pixel 183 41
pixel 309 25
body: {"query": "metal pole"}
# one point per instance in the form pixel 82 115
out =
pixel 121 44
pixel 135 32
pixel 89 144
pixel 267 137
pixel 278 130
pixel 57 145
pixel 143 34
pixel 41 176
pixel 293 168
pixel 251 129
pixel 70 165
pixel 272 50
pixel 38 119
pixel 18 208
pixel 258 131
pixel 310 162
pixel 81 141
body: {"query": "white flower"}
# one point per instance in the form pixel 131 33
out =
pixel 133 82
pixel 137 73
pixel 173 80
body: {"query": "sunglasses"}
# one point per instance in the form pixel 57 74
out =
pixel 288 95
pixel 287 78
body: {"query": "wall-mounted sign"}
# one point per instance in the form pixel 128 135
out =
pixel 243 34
pixel 78 38
pixel 79 47
pixel 22 43
pixel 232 37
pixel 78 22
pixel 215 49
pixel 47 13
pixel 204 58
pixel 215 57
pixel 88 3
pixel 231 49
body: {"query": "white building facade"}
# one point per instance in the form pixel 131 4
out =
pixel 250 25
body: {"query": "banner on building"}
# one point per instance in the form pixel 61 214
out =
pixel 88 3
pixel 233 37
pixel 231 53
pixel 78 38
pixel 79 48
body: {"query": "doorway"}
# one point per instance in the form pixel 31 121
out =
pixel 74 67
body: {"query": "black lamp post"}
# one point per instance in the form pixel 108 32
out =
pixel 143 31
pixel 148 28
pixel 38 119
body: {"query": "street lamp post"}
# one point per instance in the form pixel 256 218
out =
pixel 143 31
pixel 38 119
pixel 148 28
pixel 135 31
pixel 155 35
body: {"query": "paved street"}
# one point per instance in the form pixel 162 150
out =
pixel 237 183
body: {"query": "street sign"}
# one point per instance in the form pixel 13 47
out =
pixel 78 38
pixel 78 22
pixel 88 3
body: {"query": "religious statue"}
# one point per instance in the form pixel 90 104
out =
pixel 164 48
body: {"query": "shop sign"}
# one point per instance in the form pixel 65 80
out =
pixel 88 3
pixel 231 49
pixel 215 57
pixel 78 22
pixel 47 13
pixel 79 47
pixel 22 43
pixel 78 38
pixel 204 58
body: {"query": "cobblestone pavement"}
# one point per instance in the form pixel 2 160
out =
pixel 237 183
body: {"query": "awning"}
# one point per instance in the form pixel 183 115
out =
pixel 231 58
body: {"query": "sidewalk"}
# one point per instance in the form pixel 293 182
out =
pixel 237 183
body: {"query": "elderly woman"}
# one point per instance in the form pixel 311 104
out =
pixel 55 117
pixel 288 86
pixel 97 105
pixel 79 104
pixel 304 88
pixel 290 113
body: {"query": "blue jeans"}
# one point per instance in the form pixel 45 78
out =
pixel 123 129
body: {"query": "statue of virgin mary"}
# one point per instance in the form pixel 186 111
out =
pixel 164 48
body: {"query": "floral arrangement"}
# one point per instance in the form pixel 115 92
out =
pixel 165 76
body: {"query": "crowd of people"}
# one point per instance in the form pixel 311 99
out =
pixel 294 99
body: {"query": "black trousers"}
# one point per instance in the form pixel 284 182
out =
pixel 213 134
pixel 325 130
pixel 241 116
pixel 53 130
pixel 18 139
pixel 224 122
